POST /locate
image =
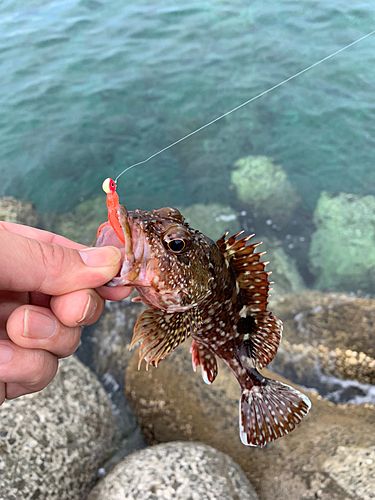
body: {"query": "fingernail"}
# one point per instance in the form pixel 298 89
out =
pixel 101 256
pixel 37 325
pixel 6 353
pixel 89 310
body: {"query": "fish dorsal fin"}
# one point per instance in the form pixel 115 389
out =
pixel 160 332
pixel 264 330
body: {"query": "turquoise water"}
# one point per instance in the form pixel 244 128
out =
pixel 89 87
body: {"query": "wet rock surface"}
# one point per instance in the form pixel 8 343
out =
pixel 329 334
pixel 173 403
pixel 19 211
pixel 187 471
pixel 52 442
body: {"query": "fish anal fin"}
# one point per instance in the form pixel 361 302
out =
pixel 201 355
pixel 160 333
pixel 269 411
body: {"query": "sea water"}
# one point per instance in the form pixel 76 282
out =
pixel 89 87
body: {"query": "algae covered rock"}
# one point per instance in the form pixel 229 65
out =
pixel 19 211
pixel 213 219
pixel 285 275
pixel 342 251
pixel 264 186
pixel 82 223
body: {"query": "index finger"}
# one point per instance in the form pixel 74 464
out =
pixel 40 235
pixel 33 265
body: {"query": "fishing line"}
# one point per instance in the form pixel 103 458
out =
pixel 245 103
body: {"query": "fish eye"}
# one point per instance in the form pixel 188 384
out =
pixel 175 240
pixel 178 245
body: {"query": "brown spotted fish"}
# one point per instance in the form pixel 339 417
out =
pixel 217 294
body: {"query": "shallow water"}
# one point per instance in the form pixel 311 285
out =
pixel 89 87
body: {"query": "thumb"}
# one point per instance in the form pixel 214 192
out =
pixel 31 265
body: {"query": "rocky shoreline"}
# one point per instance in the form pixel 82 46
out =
pixel 76 440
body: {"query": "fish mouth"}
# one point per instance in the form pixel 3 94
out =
pixel 133 251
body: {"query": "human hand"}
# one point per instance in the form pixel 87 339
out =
pixel 49 288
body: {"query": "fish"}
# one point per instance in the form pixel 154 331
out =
pixel 214 292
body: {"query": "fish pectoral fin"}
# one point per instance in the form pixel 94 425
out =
pixel 201 355
pixel 160 332
pixel 260 338
pixel 265 339
pixel 136 300
pixel 269 411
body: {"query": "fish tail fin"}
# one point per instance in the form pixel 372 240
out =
pixel 269 411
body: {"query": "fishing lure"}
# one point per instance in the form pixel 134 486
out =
pixel 109 187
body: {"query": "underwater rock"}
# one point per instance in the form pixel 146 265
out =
pixel 342 250
pixel 81 224
pixel 264 186
pixel 52 442
pixel 187 471
pixel 329 334
pixel 19 211
pixel 173 403
pixel 111 337
pixel 285 275
pixel 213 220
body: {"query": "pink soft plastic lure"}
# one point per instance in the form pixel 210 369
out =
pixel 113 203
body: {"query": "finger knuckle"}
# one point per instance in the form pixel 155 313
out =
pixel 53 259
pixel 43 368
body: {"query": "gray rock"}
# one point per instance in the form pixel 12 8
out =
pixel 52 442
pixel 105 348
pixel 111 337
pixel 354 470
pixel 173 403
pixel 19 211
pixel 187 471
pixel 330 334
pixel 81 223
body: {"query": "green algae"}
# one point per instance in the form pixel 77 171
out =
pixel 342 250
pixel 264 186
pixel 285 275
pixel 81 223
pixel 213 219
